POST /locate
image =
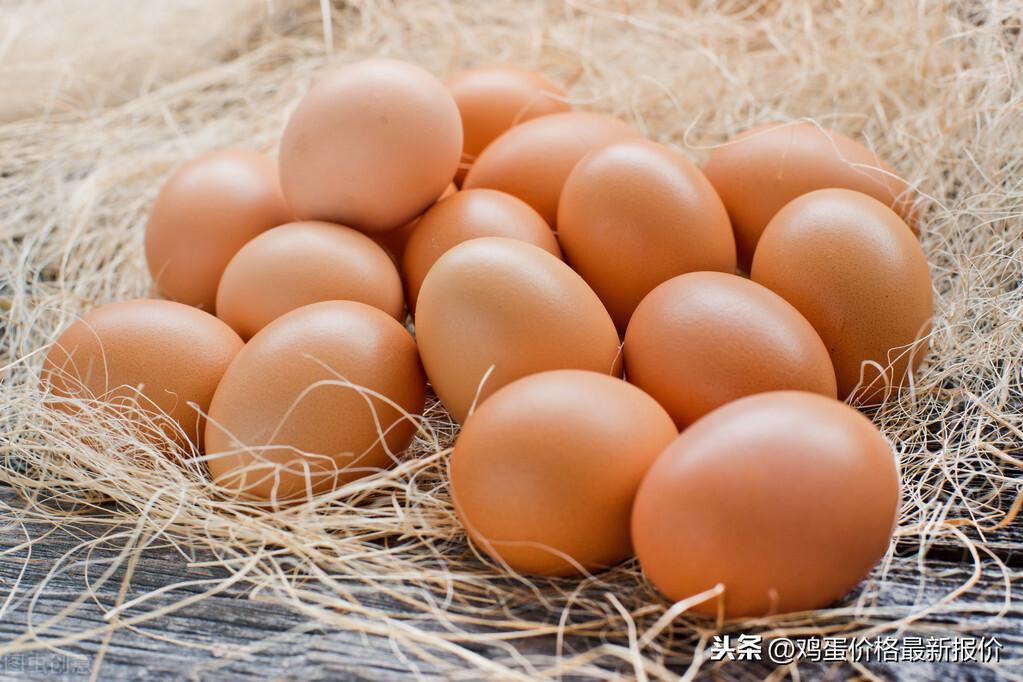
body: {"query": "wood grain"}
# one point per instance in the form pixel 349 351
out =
pixel 230 636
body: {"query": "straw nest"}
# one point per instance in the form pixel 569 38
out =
pixel 103 98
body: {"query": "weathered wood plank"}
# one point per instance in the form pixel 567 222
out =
pixel 196 642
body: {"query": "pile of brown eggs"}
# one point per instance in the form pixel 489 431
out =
pixel 527 240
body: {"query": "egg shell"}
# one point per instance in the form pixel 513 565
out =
pixel 492 99
pixel 764 168
pixel 492 310
pixel 394 241
pixel 371 146
pixel 206 210
pixel 544 474
pixel 301 263
pixel 303 406
pixel 704 339
pixel 636 213
pixel 532 160
pixel 787 499
pixel 151 362
pixel 470 214
pixel 852 267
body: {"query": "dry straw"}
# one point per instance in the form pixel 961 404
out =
pixel 935 88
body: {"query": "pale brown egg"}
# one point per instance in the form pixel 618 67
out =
pixel 468 215
pixel 309 403
pixel 371 146
pixel 153 362
pixel 704 339
pixel 208 209
pixel 785 499
pixel 532 160
pixel 636 213
pixel 301 263
pixel 853 269
pixel 492 310
pixel 766 167
pixel 492 99
pixel 395 241
pixel 543 474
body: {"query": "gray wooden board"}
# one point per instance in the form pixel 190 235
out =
pixel 287 647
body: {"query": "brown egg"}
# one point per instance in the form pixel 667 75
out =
pixel 467 215
pixel 207 210
pixel 154 362
pixel 543 475
pixel 301 263
pixel 371 146
pixel 532 160
pixel 636 213
pixel 765 168
pixel 786 499
pixel 854 270
pixel 704 339
pixel 492 99
pixel 395 241
pixel 303 406
pixel 493 310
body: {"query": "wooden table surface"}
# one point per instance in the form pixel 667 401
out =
pixel 232 637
